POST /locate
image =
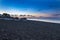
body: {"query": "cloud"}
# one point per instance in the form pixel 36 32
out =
pixel 46 16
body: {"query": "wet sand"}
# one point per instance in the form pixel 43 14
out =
pixel 29 30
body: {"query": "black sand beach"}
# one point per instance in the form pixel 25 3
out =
pixel 29 30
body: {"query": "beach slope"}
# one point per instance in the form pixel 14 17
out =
pixel 29 30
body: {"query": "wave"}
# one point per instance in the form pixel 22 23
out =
pixel 46 20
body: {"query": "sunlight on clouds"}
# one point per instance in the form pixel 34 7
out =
pixel 26 12
pixel 13 11
pixel 19 12
pixel 42 15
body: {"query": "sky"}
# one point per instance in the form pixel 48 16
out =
pixel 44 8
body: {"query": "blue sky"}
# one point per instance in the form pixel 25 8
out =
pixel 37 5
pixel 31 6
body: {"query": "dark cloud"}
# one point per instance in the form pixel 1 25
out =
pixel 56 15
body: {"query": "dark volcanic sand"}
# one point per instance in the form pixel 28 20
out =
pixel 29 30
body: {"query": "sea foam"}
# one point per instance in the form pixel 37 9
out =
pixel 46 20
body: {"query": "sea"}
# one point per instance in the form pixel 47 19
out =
pixel 47 20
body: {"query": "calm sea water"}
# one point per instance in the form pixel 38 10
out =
pixel 47 20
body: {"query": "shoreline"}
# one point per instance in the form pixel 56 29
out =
pixel 44 20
